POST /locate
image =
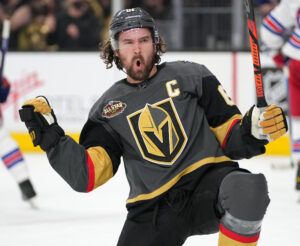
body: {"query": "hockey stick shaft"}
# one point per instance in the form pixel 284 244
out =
pixel 5 38
pixel 261 100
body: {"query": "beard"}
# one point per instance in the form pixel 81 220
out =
pixel 139 74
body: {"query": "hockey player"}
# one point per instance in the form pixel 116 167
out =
pixel 11 155
pixel 177 131
pixel 282 19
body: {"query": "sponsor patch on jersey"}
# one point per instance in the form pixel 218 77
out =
pixel 113 108
pixel 158 132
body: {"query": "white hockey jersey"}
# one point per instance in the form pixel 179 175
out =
pixel 282 18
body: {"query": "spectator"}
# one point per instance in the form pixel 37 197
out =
pixel 102 10
pixel 72 24
pixel 34 35
pixel 20 15
pixel 159 9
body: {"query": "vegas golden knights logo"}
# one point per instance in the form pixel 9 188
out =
pixel 158 132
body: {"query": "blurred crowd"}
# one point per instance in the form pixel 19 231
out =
pixel 65 25
pixel 71 25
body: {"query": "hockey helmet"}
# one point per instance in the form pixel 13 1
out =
pixel 127 19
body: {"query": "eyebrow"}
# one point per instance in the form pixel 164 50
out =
pixel 130 39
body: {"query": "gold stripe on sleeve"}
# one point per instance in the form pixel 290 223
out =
pixel 102 164
pixel 221 130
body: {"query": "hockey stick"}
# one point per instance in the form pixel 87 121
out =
pixel 5 38
pixel 260 95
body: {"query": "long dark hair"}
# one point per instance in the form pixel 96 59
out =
pixel 108 56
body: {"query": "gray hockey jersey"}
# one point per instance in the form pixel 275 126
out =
pixel 178 122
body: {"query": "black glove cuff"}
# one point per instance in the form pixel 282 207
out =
pixel 51 136
pixel 246 123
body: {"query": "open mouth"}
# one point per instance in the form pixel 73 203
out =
pixel 138 63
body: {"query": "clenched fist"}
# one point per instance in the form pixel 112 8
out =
pixel 41 122
pixel 266 123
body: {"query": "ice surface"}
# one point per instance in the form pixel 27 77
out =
pixel 68 218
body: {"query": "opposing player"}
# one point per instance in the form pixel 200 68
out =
pixel 282 19
pixel 11 155
pixel 177 131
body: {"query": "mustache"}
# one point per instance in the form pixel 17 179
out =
pixel 138 58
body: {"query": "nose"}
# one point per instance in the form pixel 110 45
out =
pixel 137 48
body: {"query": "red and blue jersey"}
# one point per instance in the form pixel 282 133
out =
pixel 283 19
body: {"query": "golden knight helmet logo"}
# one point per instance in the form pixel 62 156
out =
pixel 158 132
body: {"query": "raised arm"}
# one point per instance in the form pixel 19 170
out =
pixel 240 137
pixel 84 166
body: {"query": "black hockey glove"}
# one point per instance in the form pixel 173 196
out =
pixel 41 122
pixel 265 123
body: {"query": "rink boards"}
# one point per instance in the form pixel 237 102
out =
pixel 279 147
pixel 72 82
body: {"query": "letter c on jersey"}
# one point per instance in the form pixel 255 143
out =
pixel 172 92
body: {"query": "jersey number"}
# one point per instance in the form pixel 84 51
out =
pixel 223 93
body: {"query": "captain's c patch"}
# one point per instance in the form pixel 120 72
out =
pixel 158 132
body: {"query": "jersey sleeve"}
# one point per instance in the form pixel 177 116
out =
pixel 274 27
pixel 224 119
pixel 89 164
